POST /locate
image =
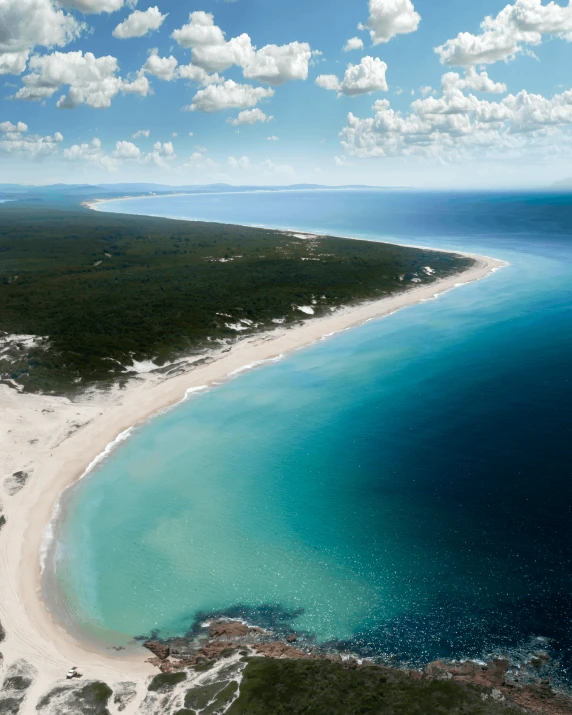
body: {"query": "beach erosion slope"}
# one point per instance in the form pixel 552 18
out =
pixel 48 442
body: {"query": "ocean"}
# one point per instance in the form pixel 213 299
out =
pixel 402 489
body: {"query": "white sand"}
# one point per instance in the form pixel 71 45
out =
pixel 54 440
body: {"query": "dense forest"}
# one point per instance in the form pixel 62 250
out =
pixel 83 293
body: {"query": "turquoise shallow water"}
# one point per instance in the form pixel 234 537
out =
pixel 404 486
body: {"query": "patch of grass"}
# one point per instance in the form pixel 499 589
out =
pixel 227 652
pixel 10 706
pixel 93 698
pixel 303 687
pixel 166 681
pixel 202 665
pixel 199 697
pixel 106 289
pixel 222 699
pixel 17 682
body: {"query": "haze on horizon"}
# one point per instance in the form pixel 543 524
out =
pixel 421 93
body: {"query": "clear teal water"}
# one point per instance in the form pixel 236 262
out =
pixel 405 486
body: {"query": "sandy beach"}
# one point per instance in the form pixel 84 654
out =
pixel 54 440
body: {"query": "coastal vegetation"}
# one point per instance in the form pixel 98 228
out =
pixel 85 295
pixel 299 687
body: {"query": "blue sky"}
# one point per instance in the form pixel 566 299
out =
pixel 429 93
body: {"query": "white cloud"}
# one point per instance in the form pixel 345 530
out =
pixel 127 150
pixel 25 24
pixel 275 65
pixel 388 18
pixel 96 6
pixel 281 170
pixel 367 77
pixel 459 126
pixel 211 51
pixel 15 140
pixel 242 163
pixel 140 23
pixel 141 133
pixel 251 116
pixel 198 160
pixel 228 95
pixel 91 80
pixel 162 154
pixel 162 67
pixel 272 138
pixel 477 81
pixel 506 35
pixel 93 153
pixel 354 43
pixel 198 74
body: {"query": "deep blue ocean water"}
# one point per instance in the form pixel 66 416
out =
pixel 405 487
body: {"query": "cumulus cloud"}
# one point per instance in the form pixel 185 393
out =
pixel 477 81
pixel 228 95
pixel 140 23
pixel 367 77
pixel 198 160
pixel 25 24
pixel 242 163
pixel 15 140
pixel 162 155
pixel 508 34
pixel 127 150
pixel 93 153
pixel 251 116
pixel 388 18
pixel 141 133
pixel 162 67
pixel 281 170
pixel 273 64
pixel 96 6
pixel 354 43
pixel 91 80
pixel 457 125
pixel 272 138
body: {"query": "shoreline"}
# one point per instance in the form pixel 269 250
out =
pixel 47 439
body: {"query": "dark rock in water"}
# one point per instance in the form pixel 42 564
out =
pixel 292 639
pixel 161 650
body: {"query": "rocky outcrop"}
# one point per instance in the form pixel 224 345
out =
pixel 490 675
pixel 18 679
pixel 160 650
pixel 2 633
pixel 87 698
pixel 231 629
pixel 14 483
pixel 280 650
pixel 124 694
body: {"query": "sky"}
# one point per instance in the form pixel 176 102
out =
pixel 422 93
